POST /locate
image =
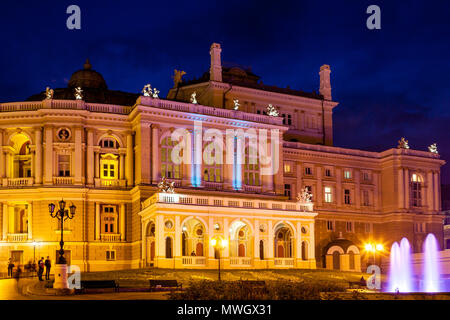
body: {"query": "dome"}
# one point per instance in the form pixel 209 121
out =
pixel 87 78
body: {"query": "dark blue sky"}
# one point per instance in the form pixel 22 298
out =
pixel 390 83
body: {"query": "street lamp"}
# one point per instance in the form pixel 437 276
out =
pixel 219 244
pixel 374 248
pixel 62 214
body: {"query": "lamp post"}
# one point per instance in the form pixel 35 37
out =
pixel 374 248
pixel 62 214
pixel 34 251
pixel 219 244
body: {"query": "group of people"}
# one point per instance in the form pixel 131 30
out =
pixel 32 267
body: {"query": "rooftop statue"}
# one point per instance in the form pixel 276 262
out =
pixel 155 93
pixel 193 97
pixel 304 196
pixel 177 77
pixel 433 148
pixel 403 144
pixel 48 93
pixel 165 186
pixel 78 93
pixel 272 111
pixel 147 90
pixel 236 104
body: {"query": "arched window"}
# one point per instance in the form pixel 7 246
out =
pixel 192 238
pixel 169 170
pixel 109 143
pixel 168 247
pixel 20 165
pixel 239 239
pixel 251 168
pixel 416 190
pixel 283 241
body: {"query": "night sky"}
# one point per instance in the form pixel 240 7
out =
pixel 390 83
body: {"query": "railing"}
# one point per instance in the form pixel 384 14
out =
pixel 194 261
pixel 112 183
pixel 213 185
pixel 63 180
pixel 284 262
pixel 17 237
pixel 18 182
pixel 206 110
pixel 255 189
pixel 184 199
pixel 240 261
pixel 110 237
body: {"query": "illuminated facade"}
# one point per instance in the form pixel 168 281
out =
pixel 107 153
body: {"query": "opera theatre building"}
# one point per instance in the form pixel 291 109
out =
pixel 277 195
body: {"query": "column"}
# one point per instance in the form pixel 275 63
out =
pixel 430 188
pixel 129 160
pixel 33 163
pixel 142 160
pixel 160 241
pixel 121 166
pixel 97 165
pixel 48 156
pixel 312 241
pixel 177 242
pixel 122 223
pixel 2 157
pixel 299 242
pixel 400 192
pixel 78 156
pixel 210 235
pixel 90 158
pixel 376 191
pixel 97 221
pixel 270 241
pixel 5 220
pixel 358 188
pixel 278 172
pixel 256 246
pixel 406 191
pixel 30 221
pixel 8 164
pixel 226 235
pixel 437 206
pixel 319 190
pixel 298 173
pixel 156 172
pixel 339 190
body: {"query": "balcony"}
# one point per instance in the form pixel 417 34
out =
pixel 194 261
pixel 240 261
pixel 17 237
pixel 18 182
pixel 110 237
pixel 284 262
pixel 254 189
pixel 110 183
pixel 63 180
pixel 213 185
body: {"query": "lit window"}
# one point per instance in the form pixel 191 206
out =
pixel 328 195
pixel 251 168
pixel 169 170
pixel 63 165
pixel 347 196
pixel 347 174
pixel 287 168
pixel 109 165
pixel 416 190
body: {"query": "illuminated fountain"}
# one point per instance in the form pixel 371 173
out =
pixel 431 271
pixel 400 272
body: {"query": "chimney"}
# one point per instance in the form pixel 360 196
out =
pixel 215 72
pixel 325 85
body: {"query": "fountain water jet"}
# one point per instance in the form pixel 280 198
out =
pixel 400 267
pixel 431 272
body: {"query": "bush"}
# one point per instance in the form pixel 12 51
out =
pixel 275 290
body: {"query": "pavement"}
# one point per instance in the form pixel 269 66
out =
pixel 33 289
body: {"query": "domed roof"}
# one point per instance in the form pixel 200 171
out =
pixel 87 78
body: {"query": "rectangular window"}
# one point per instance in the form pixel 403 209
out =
pixel 308 171
pixel 366 176
pixel 347 196
pixel 309 189
pixel 287 190
pixel 63 165
pixel 349 226
pixel 367 227
pixel 330 225
pixel 287 168
pixel 328 172
pixel 347 174
pixel 110 255
pixel 328 194
pixel 366 198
